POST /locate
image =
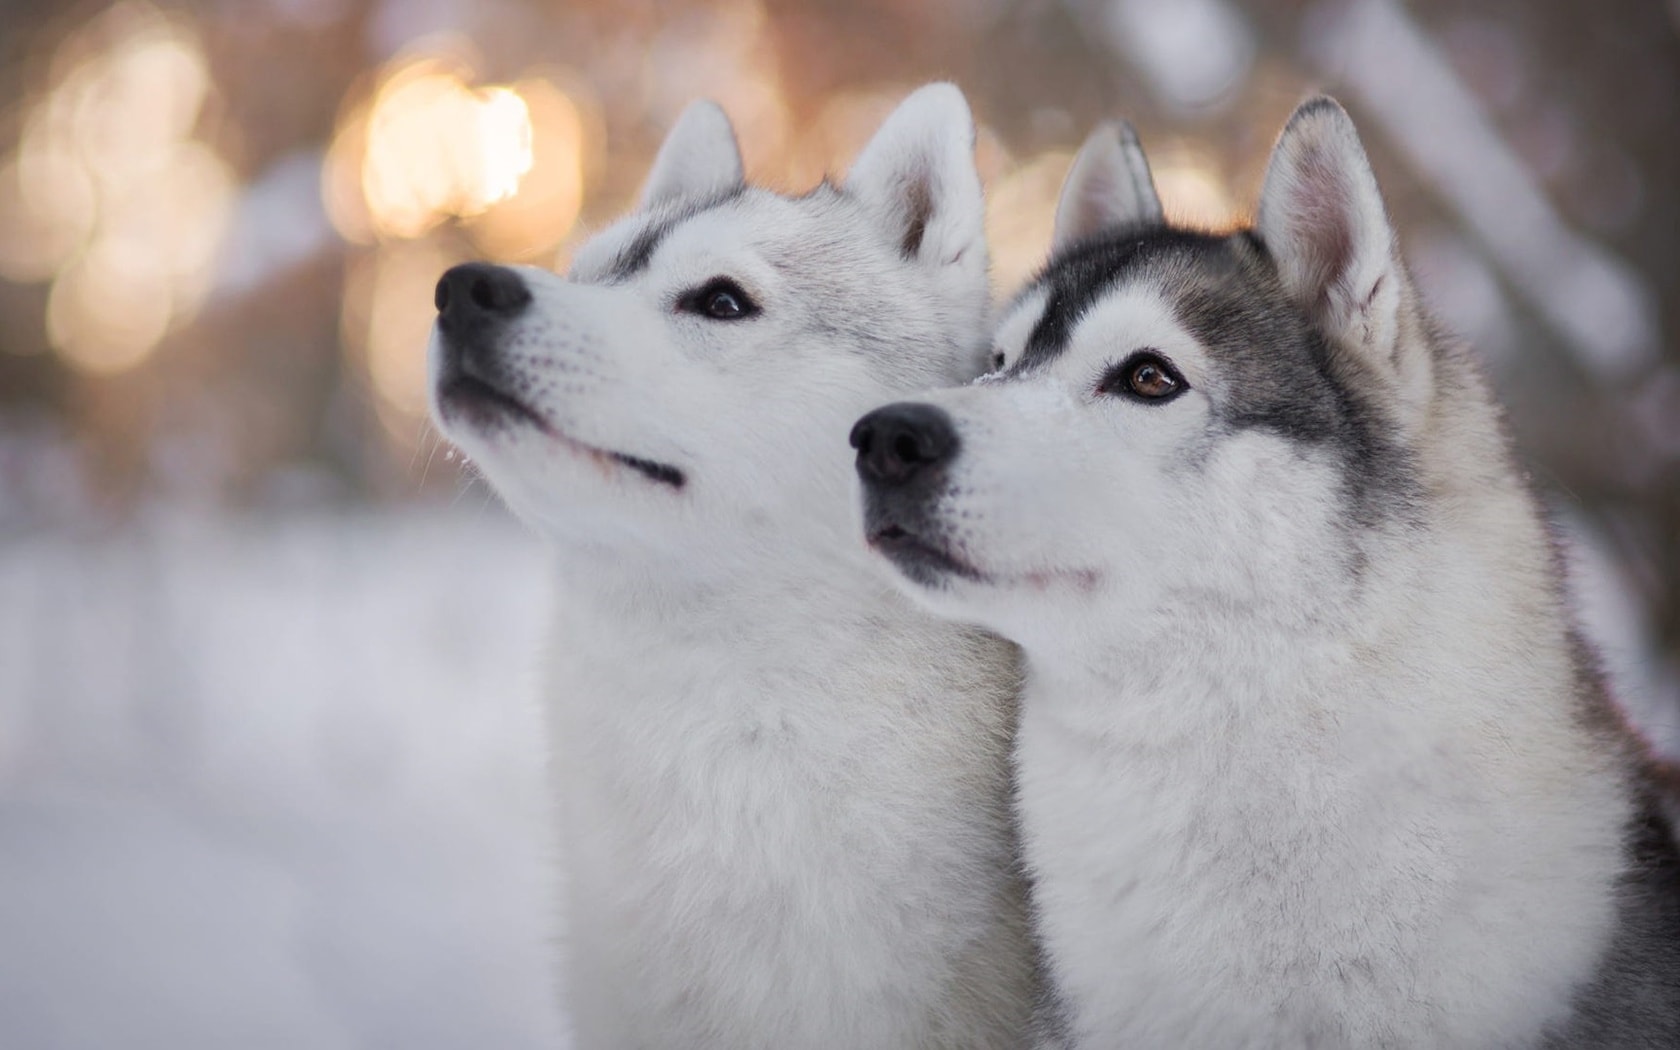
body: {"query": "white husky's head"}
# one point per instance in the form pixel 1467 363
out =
pixel 693 377
pixel 1174 418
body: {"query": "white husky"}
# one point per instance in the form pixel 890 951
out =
pixel 783 791
pixel 1310 755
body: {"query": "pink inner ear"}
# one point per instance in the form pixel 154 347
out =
pixel 1321 219
pixel 1091 204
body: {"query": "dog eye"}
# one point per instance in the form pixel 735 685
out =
pixel 1145 376
pixel 719 299
pixel 997 361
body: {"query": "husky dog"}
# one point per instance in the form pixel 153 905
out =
pixel 1310 754
pixel 783 790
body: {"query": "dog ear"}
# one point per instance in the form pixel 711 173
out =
pixel 917 176
pixel 1321 217
pixel 699 157
pixel 1109 185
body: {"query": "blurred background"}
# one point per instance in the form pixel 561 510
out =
pixel 269 762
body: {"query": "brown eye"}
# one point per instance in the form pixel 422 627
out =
pixel 1145 376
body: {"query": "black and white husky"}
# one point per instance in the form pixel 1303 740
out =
pixel 783 790
pixel 1310 753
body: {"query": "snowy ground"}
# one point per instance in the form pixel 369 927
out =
pixel 279 784
pixel 273 786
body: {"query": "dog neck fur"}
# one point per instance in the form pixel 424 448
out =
pixel 783 790
pixel 1350 767
pixel 1306 758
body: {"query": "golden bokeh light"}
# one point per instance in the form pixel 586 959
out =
pixel 107 310
pixel 47 211
pixel 1021 205
pixel 1020 214
pixel 341 178
pixel 730 57
pixel 828 145
pixel 1192 186
pixel 131 105
pixel 424 145
pixel 437 148
pixel 528 224
pixel 387 320
pixel 110 196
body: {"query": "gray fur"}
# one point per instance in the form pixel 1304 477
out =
pixel 783 791
pixel 1283 374
pixel 1633 1002
pixel 638 254
pixel 1310 753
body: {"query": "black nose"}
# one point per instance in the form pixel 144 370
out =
pixel 472 294
pixel 896 443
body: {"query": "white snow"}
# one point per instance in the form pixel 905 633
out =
pixel 279 784
pixel 274 786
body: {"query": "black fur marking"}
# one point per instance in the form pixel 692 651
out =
pixel 483 403
pixel 1076 278
pixel 663 473
pixel 1283 375
pixel 1311 108
pixel 1633 1002
pixel 479 388
pixel 1276 370
pixel 638 254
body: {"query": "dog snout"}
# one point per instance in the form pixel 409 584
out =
pixel 902 441
pixel 473 295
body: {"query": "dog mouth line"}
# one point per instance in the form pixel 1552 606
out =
pixel 908 549
pixel 902 545
pixel 471 388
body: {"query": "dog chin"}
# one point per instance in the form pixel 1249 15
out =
pixel 486 414
pixel 469 401
pixel 926 563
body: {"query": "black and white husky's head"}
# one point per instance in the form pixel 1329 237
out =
pixel 680 390
pixel 1172 416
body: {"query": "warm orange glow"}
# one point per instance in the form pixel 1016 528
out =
pixel 110 196
pixel 426 146
pixel 132 104
pixel 388 319
pixel 832 141
pixel 1192 188
pixel 106 313
pixel 530 223
pixel 730 58
pixel 341 179
pixel 437 148
pixel 1020 214
pixel 47 204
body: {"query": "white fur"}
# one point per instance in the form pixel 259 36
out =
pixel 1108 185
pixel 782 790
pixel 1284 780
pixel 698 158
pixel 1321 215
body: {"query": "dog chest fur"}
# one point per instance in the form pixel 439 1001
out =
pixel 1310 755
pixel 779 810
pixel 782 792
